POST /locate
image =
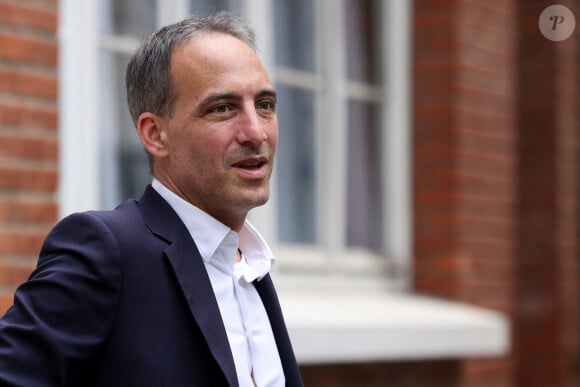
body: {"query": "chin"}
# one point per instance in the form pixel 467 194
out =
pixel 261 200
pixel 256 199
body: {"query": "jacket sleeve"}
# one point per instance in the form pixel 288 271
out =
pixel 63 314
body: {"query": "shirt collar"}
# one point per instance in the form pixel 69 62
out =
pixel 209 234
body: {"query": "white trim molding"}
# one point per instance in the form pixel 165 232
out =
pixel 78 187
pixel 347 326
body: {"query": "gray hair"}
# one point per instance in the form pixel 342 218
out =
pixel 148 79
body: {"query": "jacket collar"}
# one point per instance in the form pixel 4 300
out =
pixel 267 293
pixel 191 275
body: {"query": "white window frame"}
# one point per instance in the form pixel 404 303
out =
pixel 336 309
pixel 332 255
pixel 80 41
pixel 78 76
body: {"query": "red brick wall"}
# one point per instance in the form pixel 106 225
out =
pixel 496 179
pixel 442 373
pixel 465 161
pixel 28 135
pixel 546 317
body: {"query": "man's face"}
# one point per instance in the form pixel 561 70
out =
pixel 222 136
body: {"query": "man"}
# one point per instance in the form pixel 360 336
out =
pixel 171 290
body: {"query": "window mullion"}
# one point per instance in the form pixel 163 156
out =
pixel 78 135
pixel 333 129
pixel 259 14
pixel 397 126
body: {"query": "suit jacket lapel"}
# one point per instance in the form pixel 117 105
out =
pixel 192 276
pixel 267 293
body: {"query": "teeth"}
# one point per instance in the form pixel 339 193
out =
pixel 251 165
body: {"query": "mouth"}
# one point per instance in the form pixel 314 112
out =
pixel 251 164
pixel 254 168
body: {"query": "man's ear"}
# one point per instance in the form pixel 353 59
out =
pixel 152 134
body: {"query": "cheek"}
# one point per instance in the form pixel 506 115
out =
pixel 213 150
pixel 272 133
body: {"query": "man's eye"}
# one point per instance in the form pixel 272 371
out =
pixel 266 105
pixel 221 109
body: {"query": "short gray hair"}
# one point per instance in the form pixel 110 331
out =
pixel 148 79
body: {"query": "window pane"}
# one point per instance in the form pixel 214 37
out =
pixel 363 40
pixel 295 34
pixel 128 17
pixel 296 166
pixel 364 223
pixel 204 7
pixel 124 170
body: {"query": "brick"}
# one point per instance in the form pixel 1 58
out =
pixel 30 179
pixel 489 10
pixel 6 300
pixel 484 142
pixel 431 159
pixel 26 115
pixel 491 122
pixel 435 373
pixel 483 50
pixel 484 100
pixel 28 146
pixel 490 165
pixel 433 134
pixel 21 242
pixel 434 8
pixel 37 18
pixel 491 372
pixel 28 83
pixel 14 209
pixel 14 273
pixel 467 182
pixel 25 49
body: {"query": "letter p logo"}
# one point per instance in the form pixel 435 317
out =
pixel 557 23
pixel 556 20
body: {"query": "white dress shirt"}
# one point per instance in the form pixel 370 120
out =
pixel 247 325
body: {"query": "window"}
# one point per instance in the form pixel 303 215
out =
pixel 122 161
pixel 341 185
pixel 330 75
pixel 338 189
pixel 339 216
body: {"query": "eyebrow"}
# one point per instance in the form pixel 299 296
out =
pixel 268 93
pixel 218 97
pixel 235 97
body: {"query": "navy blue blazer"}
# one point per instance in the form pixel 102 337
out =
pixel 122 298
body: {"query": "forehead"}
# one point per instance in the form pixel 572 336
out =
pixel 216 62
pixel 213 51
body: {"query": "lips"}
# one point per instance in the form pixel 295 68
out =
pixel 252 163
pixel 252 168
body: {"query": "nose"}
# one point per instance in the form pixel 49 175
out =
pixel 251 128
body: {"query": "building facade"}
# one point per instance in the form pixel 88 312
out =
pixel 425 211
